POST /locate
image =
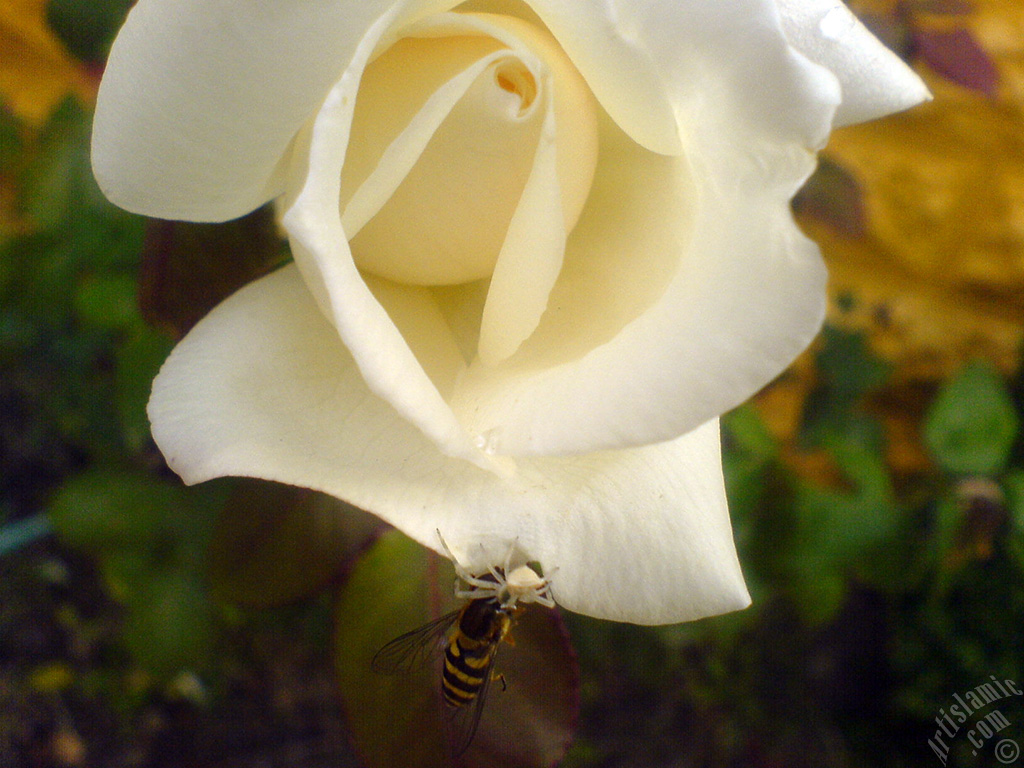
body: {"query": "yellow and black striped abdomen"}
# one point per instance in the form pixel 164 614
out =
pixel 465 669
pixel 467 659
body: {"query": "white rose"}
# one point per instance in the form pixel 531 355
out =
pixel 539 247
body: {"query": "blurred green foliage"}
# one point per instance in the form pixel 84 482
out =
pixel 877 595
pixel 973 424
pixel 78 362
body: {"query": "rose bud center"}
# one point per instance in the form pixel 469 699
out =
pixel 455 130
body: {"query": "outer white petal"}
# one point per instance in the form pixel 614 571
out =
pixel 261 387
pixel 744 303
pixel 748 293
pixel 874 80
pixel 650 62
pixel 201 98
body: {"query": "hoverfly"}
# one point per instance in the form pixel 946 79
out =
pixel 470 648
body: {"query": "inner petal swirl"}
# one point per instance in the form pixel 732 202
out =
pixel 473 148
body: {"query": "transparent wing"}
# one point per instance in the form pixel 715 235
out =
pixel 414 649
pixel 461 722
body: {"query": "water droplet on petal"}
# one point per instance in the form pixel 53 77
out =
pixel 488 441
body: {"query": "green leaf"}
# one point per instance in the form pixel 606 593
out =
pixel 395 720
pixel 745 488
pixel 107 301
pixel 971 425
pixel 848 364
pixel 398 719
pixel 102 510
pixel 138 360
pixel 61 197
pixel 150 538
pixel 820 596
pixel 531 723
pixel 749 453
pixel 11 141
pixel 849 370
pixel 125 571
pixel 855 530
pixel 1013 484
pixel 276 543
pixel 59 183
pixel 842 525
pixel 947 520
pixel 745 429
pixel 170 622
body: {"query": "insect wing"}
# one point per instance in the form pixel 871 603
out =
pixel 461 722
pixel 412 651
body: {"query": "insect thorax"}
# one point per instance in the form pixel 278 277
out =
pixel 484 621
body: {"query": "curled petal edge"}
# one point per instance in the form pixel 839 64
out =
pixel 875 82
pixel 262 388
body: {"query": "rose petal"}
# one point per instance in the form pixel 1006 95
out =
pixel 447 218
pixel 653 64
pixel 531 256
pixel 201 98
pixel 414 311
pixel 714 284
pixel 874 80
pixel 552 199
pixel 741 291
pixel 407 147
pixel 261 388
pixel 601 42
pixel 322 253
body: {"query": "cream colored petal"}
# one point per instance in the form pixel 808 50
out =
pixel 620 258
pixel 261 388
pixel 393 89
pixel 439 201
pixel 531 256
pixel 552 200
pixel 200 99
pixel 445 221
pixel 604 45
pixel 414 311
pixel 735 292
pixel 321 252
pixel 656 66
pixel 875 82
pixel 519 290
pixel 405 150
